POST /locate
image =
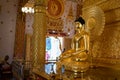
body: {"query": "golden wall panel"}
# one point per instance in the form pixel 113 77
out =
pixel 88 3
pixel 108 44
pixel 112 16
pixel 104 4
pixel 110 4
pixel 106 49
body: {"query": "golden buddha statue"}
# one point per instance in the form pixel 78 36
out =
pixel 76 59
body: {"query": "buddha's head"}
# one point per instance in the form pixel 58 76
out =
pixel 79 24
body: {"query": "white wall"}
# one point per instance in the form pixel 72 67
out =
pixel 7 27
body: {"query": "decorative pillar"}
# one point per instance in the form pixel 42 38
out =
pixel 39 35
pixel 19 47
pixel 28 50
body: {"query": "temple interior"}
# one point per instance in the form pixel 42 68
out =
pixel 36 38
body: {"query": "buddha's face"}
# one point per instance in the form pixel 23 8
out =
pixel 78 26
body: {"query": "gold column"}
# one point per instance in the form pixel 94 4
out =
pixel 39 33
pixel 28 48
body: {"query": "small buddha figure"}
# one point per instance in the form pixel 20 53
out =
pixel 76 59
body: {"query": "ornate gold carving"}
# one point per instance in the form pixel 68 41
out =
pixel 40 9
pixel 95 21
pixel 55 8
pixel 54 24
pixel 38 38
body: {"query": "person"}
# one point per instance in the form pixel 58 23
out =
pixel 5 61
pixel 63 50
pixel 6 67
pixel 76 59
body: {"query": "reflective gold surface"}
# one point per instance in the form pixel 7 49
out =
pixel 99 73
pixel 96 73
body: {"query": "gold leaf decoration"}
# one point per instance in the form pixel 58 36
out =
pixel 55 8
pixel 95 21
